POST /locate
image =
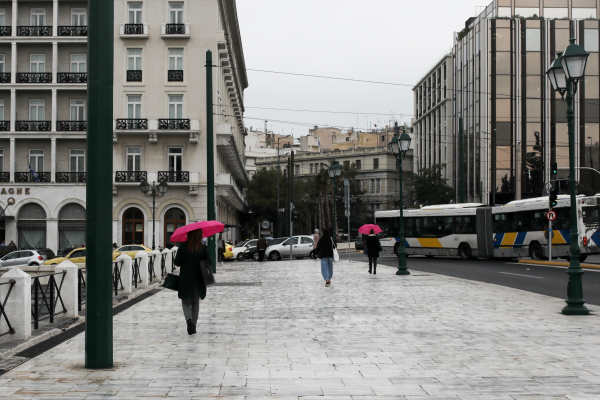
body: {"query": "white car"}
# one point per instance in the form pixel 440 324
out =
pixel 238 250
pixel 301 246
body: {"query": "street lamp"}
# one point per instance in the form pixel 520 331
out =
pixel 399 146
pixel 154 191
pixel 564 74
pixel 334 171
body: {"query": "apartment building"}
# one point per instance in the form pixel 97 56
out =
pixel 159 118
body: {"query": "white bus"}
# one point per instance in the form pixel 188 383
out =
pixel 517 229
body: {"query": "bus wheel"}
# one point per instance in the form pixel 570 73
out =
pixel 396 248
pixel 582 258
pixel 464 251
pixel 535 251
pixel 429 256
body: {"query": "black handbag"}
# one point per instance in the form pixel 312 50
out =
pixel 207 273
pixel 171 282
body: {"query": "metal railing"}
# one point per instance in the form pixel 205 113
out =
pixel 3 315
pixel 173 176
pixel 151 274
pixel 173 255
pixel 42 177
pixel 4 125
pixel 134 75
pixel 163 264
pixel 79 126
pixel 4 177
pixel 174 124
pixel 44 307
pixel 34 31
pixel 71 177
pixel 132 123
pixel 131 176
pixel 72 31
pixel 5 30
pixel 34 77
pixel 5 77
pixel 116 276
pixel 134 29
pixel 175 75
pixel 33 125
pixel 81 292
pixel 72 77
pixel 174 29
pixel 135 272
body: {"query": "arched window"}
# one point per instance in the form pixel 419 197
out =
pixel 174 218
pixel 32 227
pixel 133 226
pixel 71 226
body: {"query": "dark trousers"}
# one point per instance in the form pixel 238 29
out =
pixel 261 255
pixel 373 262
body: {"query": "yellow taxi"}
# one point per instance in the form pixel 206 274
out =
pixel 130 249
pixel 228 252
pixel 76 256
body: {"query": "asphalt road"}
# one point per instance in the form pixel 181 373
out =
pixel 546 280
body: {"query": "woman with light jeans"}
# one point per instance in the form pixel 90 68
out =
pixel 325 252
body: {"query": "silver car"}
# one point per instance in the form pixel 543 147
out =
pixel 301 246
pixel 23 257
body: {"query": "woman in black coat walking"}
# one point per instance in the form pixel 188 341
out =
pixel 324 251
pixel 373 246
pixel 191 284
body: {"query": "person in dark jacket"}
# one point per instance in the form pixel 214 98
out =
pixel 325 252
pixel 261 246
pixel 373 246
pixel 191 283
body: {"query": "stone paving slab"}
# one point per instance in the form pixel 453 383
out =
pixel 417 337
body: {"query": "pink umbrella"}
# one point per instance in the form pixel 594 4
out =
pixel 209 228
pixel 366 229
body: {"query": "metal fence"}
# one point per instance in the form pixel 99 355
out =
pixel 45 298
pixel 117 282
pixel 3 305
pixel 151 274
pixel 136 278
pixel 81 292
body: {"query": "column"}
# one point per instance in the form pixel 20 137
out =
pixel 12 160
pixel 52 234
pixel 13 61
pixel 15 9
pixel 53 162
pixel 55 18
pixel 13 109
pixel 54 108
pixel 54 60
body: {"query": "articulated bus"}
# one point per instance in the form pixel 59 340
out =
pixel 517 229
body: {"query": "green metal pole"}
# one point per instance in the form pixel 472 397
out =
pixel 462 160
pixel 575 302
pixel 334 233
pixel 153 215
pixel 210 160
pixel 402 268
pixel 98 320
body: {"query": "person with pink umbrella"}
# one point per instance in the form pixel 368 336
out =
pixel 372 245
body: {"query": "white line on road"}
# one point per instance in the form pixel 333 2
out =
pixel 553 266
pixel 529 276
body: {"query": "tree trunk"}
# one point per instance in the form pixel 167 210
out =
pixel 321 211
pixel 327 208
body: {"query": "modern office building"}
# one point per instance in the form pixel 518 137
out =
pixel 159 118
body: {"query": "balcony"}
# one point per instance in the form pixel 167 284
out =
pixel 129 123
pixel 175 75
pixel 5 77
pixel 71 177
pixel 133 31
pixel 72 31
pixel 175 31
pixel 4 125
pixel 77 126
pixel 4 177
pixel 42 177
pixel 34 31
pixel 173 176
pixel 33 125
pixel 134 75
pixel 174 124
pixel 34 77
pixel 5 30
pixel 131 176
pixel 72 77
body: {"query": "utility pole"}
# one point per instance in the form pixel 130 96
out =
pixel 278 174
pixel 99 317
pixel 267 139
pixel 285 198
pixel 291 204
pixel 462 160
pixel 210 160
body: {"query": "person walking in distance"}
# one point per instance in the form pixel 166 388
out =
pixel 191 283
pixel 316 238
pixel 324 250
pixel 221 249
pixel 261 246
pixel 373 246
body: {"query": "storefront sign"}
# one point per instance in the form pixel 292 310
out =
pixel 15 191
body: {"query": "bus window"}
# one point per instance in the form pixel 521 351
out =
pixel 465 225
pixel 500 223
pixel 563 219
pixel 591 215
pixel 448 226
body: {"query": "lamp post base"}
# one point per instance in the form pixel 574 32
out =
pixel 403 271
pixel 402 268
pixel 575 310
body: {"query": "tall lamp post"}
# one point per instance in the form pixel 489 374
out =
pixel 399 147
pixel 564 74
pixel 334 171
pixel 154 191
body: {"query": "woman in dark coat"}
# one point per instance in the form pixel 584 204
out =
pixel 373 246
pixel 191 284
pixel 324 251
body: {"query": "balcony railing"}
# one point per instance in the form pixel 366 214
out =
pixel 175 75
pixel 4 125
pixel 175 29
pixel 72 77
pixel 5 30
pixel 33 125
pixel 134 75
pixel 71 177
pixel 131 176
pixel 43 177
pixel 4 177
pixel 173 176
pixel 34 31
pixel 125 123
pixel 134 29
pixel 72 31
pixel 79 126
pixel 5 77
pixel 183 124
pixel 34 77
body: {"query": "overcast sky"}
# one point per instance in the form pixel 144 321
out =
pixel 394 41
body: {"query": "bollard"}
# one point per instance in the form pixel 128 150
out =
pixel 157 271
pixel 143 256
pixel 126 273
pixel 168 261
pixel 18 304
pixel 69 290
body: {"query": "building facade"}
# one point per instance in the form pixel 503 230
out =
pixel 159 118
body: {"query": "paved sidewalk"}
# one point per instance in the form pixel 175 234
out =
pixel 381 336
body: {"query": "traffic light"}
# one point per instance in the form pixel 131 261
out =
pixel 554 169
pixel 294 216
pixel 553 199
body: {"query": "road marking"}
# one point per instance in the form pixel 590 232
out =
pixel 529 276
pixel 553 266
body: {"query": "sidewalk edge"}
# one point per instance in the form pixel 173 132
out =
pixel 558 263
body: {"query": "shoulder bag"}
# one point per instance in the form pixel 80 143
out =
pixel 207 273
pixel 336 256
pixel 171 282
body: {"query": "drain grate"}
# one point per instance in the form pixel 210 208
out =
pixel 238 284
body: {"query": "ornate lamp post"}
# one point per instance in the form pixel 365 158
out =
pixel 154 191
pixel 334 171
pixel 399 147
pixel 564 74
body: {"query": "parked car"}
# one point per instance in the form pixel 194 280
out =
pixel 252 252
pixel 228 253
pixel 23 257
pixel 131 250
pixel 301 246
pixel 359 244
pixel 76 256
pixel 240 249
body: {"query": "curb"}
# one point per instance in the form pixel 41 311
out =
pixel 559 264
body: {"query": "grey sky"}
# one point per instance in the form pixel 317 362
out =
pixel 378 40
